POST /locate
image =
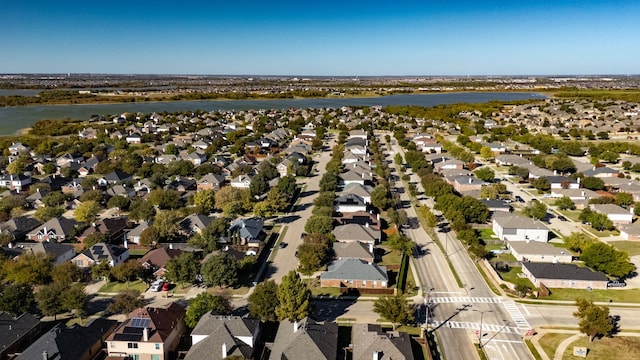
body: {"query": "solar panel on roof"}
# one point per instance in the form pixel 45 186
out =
pixel 140 322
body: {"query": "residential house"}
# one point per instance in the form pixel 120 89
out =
pixel 496 205
pixel 220 337
pixel 356 232
pixel 100 252
pixel 562 182
pixel 133 235
pixel 354 273
pixel 536 251
pixel 19 332
pixel 349 203
pixel 58 252
pixel 17 149
pixel 18 227
pixel 210 182
pixel 112 228
pixel 358 133
pixel 194 224
pixel 115 177
pixel 74 186
pixel 354 250
pixel 287 167
pixel 580 197
pixel 149 333
pixel 306 339
pixel 241 182
pixel 352 177
pixel 359 217
pixel 615 213
pixel 133 138
pixel 248 231
pixel 56 229
pixel 15 182
pixel 630 232
pixel 511 227
pixel 358 190
pixel 155 260
pixel 601 172
pixel 467 183
pixel 371 342
pixel 453 164
pixel 564 276
pixel 74 342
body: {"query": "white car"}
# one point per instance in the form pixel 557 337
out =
pixel 157 285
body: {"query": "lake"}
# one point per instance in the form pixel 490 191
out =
pixel 12 119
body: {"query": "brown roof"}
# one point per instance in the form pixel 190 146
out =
pixel 161 323
pixel 159 257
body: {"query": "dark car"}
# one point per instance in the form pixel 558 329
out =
pixel 562 218
pixel 282 245
pixel 519 199
pixel 616 284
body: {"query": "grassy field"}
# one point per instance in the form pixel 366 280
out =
pixel 551 341
pixel 617 295
pixel 487 234
pixel 116 287
pixel 631 247
pixel 619 348
pixel 512 277
pixel 391 257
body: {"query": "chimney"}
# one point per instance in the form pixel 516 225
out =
pixel 371 247
pixel 366 224
pixel 376 355
pixel 224 350
pixel 45 355
pixel 295 326
pixel 469 179
pixel 631 209
pixel 170 246
pixel 145 334
pixel 555 172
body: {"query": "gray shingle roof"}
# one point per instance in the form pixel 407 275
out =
pixel 369 339
pixel 312 341
pixel 563 272
pixel 512 221
pixel 355 269
pixel 223 330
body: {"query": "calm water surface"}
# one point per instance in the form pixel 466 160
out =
pixel 12 119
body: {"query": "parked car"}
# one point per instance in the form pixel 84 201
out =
pixel 157 285
pixel 562 218
pixel 282 245
pixel 519 199
pixel 165 286
pixel 616 283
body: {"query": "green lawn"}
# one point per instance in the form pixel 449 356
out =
pixel 391 257
pixel 512 277
pixel 571 214
pixel 487 234
pixel 631 247
pixel 617 295
pixel 116 287
pixel 551 341
pixel 619 348
pixel 137 252
pixel 324 291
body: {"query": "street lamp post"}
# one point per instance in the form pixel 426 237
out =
pixel 480 333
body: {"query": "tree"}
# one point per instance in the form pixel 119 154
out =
pixel 66 273
pixel 488 192
pixel 141 210
pixel 565 203
pixel 393 308
pixel 74 298
pixel 165 199
pixel 204 201
pixel 486 153
pixel 380 197
pixel 319 224
pixel 44 214
pixel 259 185
pixel 606 258
pixel 287 185
pixel 277 200
pixel 94 238
pixel 101 270
pixel 229 197
pixel 263 301
pixel 485 174
pixel 119 202
pixel 127 271
pixel 54 198
pixel 578 241
pixel 220 270
pixel 610 157
pixel 564 165
pixel 207 240
pixel 541 183
pixel 86 212
pixel 624 199
pixel 183 268
pixel 126 301
pixel 294 298
pixel 204 303
pixel 49 299
pixel 167 224
pixel 593 320
pixel 401 243
pixel 30 268
pixel 15 298
pixel 536 210
pixel 593 183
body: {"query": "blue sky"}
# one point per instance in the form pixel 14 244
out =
pixel 340 38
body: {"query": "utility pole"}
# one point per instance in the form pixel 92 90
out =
pixel 480 333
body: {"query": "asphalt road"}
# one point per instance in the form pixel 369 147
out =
pixel 285 259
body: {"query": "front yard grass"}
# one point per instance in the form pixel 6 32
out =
pixel 617 347
pixel 116 287
pixel 617 295
pixel 487 234
pixel 551 341
pixel 512 277
pixel 631 247
pixel 391 257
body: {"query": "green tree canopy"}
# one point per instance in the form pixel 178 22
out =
pixel 183 268
pixel 294 298
pixel 485 174
pixel 593 320
pixel 535 210
pixel 126 301
pixel 204 303
pixel 263 301
pixel 220 270
pixel 565 203
pixel 87 211
pixel 15 298
pixel 606 258
pixel 393 308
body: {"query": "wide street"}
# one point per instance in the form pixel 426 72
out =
pixel 285 259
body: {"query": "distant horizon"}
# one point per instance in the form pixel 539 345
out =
pixel 330 38
pixel 316 76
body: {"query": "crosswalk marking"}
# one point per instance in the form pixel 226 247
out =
pixel 476 326
pixel 519 319
pixel 464 299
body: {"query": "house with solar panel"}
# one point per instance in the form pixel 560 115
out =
pixel 113 254
pixel 148 333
